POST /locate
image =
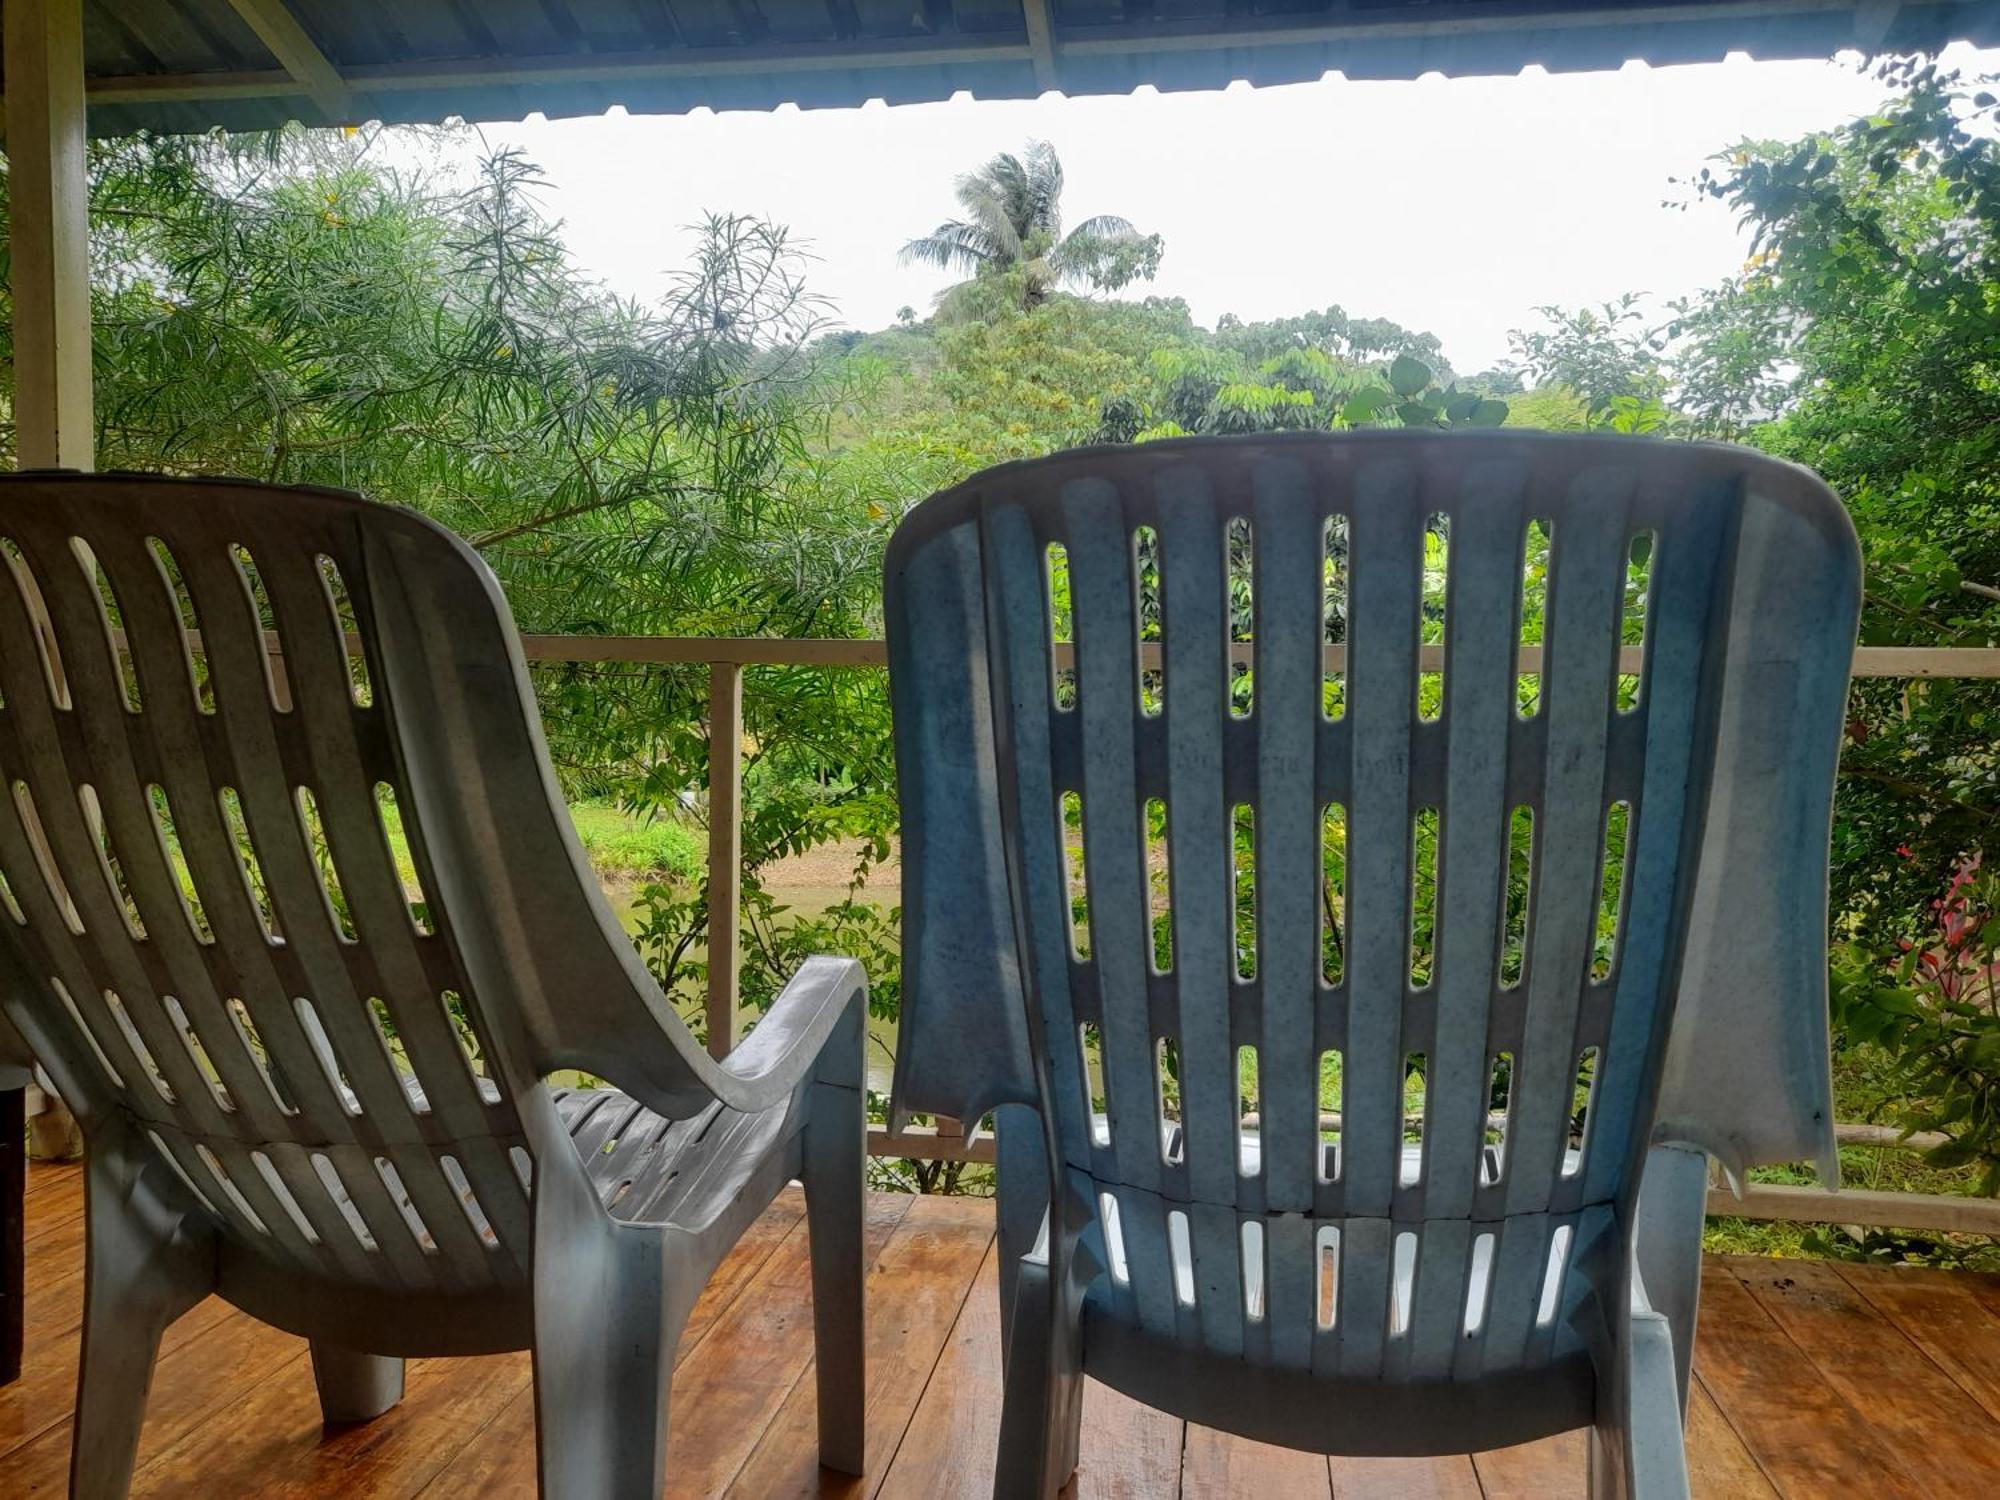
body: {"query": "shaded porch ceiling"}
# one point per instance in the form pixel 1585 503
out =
pixel 186 65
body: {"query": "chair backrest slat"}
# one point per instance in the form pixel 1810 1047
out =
pixel 1019 602
pixel 1580 660
pixel 1106 728
pixel 1686 595
pixel 1386 531
pixel 1201 914
pixel 1482 635
pixel 1288 584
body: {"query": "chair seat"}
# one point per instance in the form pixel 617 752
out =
pixel 647 1168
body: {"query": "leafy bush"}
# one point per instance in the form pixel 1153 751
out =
pixel 1935 1012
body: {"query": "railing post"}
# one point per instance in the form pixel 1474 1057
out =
pixel 725 848
pixel 50 260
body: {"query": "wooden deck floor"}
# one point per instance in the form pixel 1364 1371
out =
pixel 1814 1380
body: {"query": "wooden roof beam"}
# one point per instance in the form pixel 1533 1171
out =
pixel 1041 43
pixel 300 56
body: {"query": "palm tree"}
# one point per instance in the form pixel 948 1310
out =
pixel 1013 208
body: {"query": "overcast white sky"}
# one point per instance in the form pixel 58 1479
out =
pixel 1455 206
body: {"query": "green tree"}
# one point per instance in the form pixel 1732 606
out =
pixel 1606 356
pixel 1013 221
pixel 289 306
pixel 1860 339
pixel 1202 388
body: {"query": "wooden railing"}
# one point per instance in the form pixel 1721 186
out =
pixel 726 657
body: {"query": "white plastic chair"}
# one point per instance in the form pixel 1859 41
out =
pixel 1370 1277
pixel 261 1034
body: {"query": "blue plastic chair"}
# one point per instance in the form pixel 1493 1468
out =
pixel 1498 1254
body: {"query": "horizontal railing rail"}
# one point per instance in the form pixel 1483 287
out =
pixel 726 658
pixel 746 651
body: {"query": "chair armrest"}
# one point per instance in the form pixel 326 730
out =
pixel 785 1047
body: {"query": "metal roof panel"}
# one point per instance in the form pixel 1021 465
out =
pixel 180 65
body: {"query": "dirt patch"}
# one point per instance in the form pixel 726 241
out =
pixel 827 871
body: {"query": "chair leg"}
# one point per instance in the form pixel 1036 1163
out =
pixel 354 1387
pixel 144 1265
pixel 610 1303
pixel 1638 1448
pixel 1023 1199
pixel 1041 1409
pixel 1666 1245
pixel 835 1150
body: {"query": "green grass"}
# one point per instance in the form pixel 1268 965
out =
pixel 651 849
pixel 620 845
pixel 1859 1081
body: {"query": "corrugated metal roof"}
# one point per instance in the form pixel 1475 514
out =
pixel 186 65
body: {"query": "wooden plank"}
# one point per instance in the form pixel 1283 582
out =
pixel 195 1381
pixel 725 852
pixel 1924 661
pixel 1217 1464
pixel 58 1247
pixel 1985 1285
pixel 1813 1205
pixel 930 1143
pixel 55 1212
pixel 949 1447
pixel 1887 1137
pixel 1899 1398
pixel 1965 662
pixel 1942 1313
pixel 54 1276
pixel 1555 1468
pixel 271 1442
pixel 1945 1442
pixel 49 266
pixel 44 1175
pixel 915 1295
pixel 1129 1451
pixel 1404 1479
pixel 46 1392
pixel 1041 43
pixel 747 651
pixel 499 1459
pixel 1719 1466
pixel 740 1373
pixel 1806 1436
pixel 1968 662
pixel 13 1228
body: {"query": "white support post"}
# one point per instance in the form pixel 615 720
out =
pixel 51 234
pixel 725 849
pixel 49 254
